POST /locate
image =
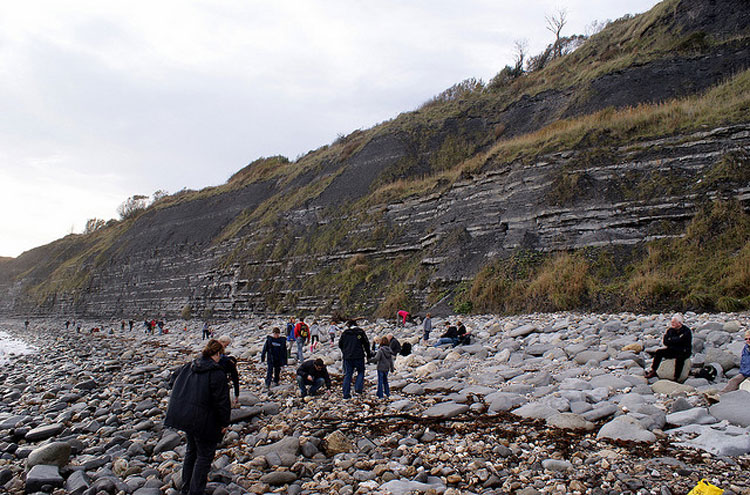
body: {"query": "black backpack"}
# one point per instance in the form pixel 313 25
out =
pixel 405 349
pixel 707 371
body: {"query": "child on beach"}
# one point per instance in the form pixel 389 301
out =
pixel 384 362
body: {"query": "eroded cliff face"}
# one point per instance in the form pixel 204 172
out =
pixel 222 253
pixel 635 193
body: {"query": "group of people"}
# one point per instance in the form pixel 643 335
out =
pixel 302 335
pixel 200 402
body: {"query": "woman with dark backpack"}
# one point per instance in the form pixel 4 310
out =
pixel 199 406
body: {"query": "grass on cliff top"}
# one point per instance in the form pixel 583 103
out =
pixel 708 269
pixel 725 104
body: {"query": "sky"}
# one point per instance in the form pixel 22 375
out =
pixel 103 100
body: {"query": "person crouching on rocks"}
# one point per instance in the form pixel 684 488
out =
pixel 384 363
pixel 679 345
pixel 275 352
pixel 312 374
pixel 199 406
pixel 735 381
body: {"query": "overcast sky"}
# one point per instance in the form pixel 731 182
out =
pixel 103 100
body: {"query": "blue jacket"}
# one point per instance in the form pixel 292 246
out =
pixel 745 361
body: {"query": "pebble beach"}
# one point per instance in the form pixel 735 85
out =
pixel 542 403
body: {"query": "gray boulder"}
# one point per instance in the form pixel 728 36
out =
pixel 626 428
pixel 733 407
pixel 41 475
pixel 44 432
pixel 55 453
pixel 446 410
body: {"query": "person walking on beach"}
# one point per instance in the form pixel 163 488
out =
pixel 206 331
pixel 426 328
pixel 333 330
pixel 678 342
pixel 229 365
pixel 199 406
pixel 312 374
pixel 354 348
pixel 274 352
pixel 301 334
pixel 735 381
pixel 26 324
pixel 314 336
pixel 384 363
pixel 290 338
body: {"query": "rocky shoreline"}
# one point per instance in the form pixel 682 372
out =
pixel 544 403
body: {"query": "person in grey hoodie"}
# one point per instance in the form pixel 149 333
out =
pixel 384 361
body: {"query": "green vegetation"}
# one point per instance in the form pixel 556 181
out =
pixel 708 269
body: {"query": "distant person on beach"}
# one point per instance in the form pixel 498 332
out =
pixel 426 327
pixel 312 374
pixel 678 341
pixel 355 347
pixel 67 324
pixel 314 335
pixel 290 338
pixel 404 315
pixel 275 354
pixel 26 324
pixel 130 324
pixel 301 334
pixel 199 405
pixel 333 330
pixel 735 381
pixel 384 363
pixel 229 365
pixel 449 337
pixel 206 331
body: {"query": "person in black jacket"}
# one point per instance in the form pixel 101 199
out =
pixel 313 374
pixel 274 351
pixel 199 406
pixel 354 347
pixel 229 365
pixel 679 345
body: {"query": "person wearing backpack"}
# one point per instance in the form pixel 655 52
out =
pixel 354 347
pixel 302 334
pixel 199 405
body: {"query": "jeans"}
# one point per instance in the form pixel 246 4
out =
pixel 197 463
pixel 383 387
pixel 272 372
pixel 314 385
pixel 446 340
pixel 300 350
pixel 359 384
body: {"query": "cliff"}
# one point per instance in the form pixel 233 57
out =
pixel 602 152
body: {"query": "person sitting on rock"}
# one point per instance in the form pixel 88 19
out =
pixel 735 381
pixel 394 344
pixel 275 351
pixel 678 340
pixel 449 337
pixel 229 365
pixel 313 374
pixel 199 406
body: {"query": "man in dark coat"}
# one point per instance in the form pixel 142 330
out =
pixel 678 341
pixel 354 347
pixel 199 406
pixel 274 351
pixel 312 374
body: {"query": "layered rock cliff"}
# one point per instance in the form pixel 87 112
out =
pixel 421 203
